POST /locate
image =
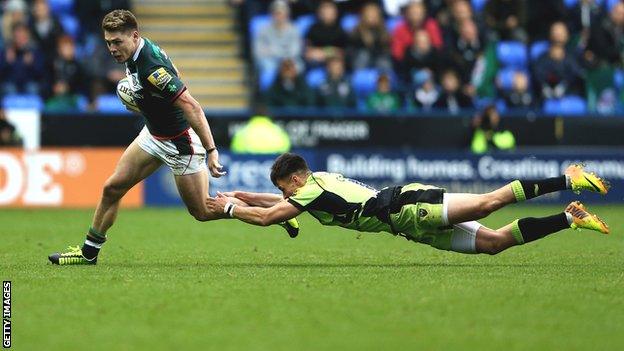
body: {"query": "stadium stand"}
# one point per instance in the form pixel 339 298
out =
pixel 203 39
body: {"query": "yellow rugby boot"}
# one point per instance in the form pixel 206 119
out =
pixel 583 219
pixel 582 180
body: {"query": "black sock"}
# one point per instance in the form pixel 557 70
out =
pixel 530 229
pixel 534 188
pixel 92 244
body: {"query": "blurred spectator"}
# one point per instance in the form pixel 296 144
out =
pixel 354 6
pixel 507 18
pixel 103 72
pixel 384 100
pixel 583 16
pixel 21 64
pixel 90 13
pixel 394 8
pixel 336 91
pixel 278 40
pixel 421 56
pixel 414 19
pixel 46 28
pixel 289 89
pixel 487 134
pixel 560 36
pixel 452 98
pixel 62 99
pixel 326 37
pixel 519 96
pixel 557 73
pixel 66 68
pixel 15 11
pixel 460 12
pixel 466 50
pixel 425 93
pixel 8 133
pixel 370 43
pixel 541 15
pixel 606 40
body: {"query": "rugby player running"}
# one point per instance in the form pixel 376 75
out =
pixel 421 213
pixel 176 133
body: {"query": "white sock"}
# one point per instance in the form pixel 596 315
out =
pixel 569 218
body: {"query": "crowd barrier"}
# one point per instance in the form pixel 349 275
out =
pixel 73 177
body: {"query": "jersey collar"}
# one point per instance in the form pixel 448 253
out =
pixel 138 50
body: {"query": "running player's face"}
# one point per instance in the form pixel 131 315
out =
pixel 121 45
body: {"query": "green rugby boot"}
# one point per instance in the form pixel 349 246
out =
pixel 291 226
pixel 72 257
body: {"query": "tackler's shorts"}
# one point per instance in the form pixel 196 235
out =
pixel 423 218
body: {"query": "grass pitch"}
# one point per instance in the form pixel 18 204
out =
pixel 165 282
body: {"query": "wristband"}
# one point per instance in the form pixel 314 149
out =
pixel 210 150
pixel 229 209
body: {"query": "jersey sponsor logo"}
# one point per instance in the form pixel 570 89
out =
pixel 159 78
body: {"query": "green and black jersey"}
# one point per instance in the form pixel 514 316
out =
pixel 156 86
pixel 414 209
pixel 336 200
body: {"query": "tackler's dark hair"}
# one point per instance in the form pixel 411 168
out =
pixel 287 164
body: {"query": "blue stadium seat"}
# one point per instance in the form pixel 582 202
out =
pixel 348 22
pixel 110 103
pixel 392 23
pixel 538 48
pixel 364 81
pixel 22 101
pixel 481 103
pixel 478 5
pixel 316 77
pixel 61 7
pixel 512 54
pixel 83 103
pixel 505 76
pixel 266 78
pixel 618 79
pixel 572 3
pixel 256 23
pixel 70 25
pixel 611 3
pixel 303 23
pixel 571 105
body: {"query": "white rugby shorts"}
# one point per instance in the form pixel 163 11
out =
pixel 183 153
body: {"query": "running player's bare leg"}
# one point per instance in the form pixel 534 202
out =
pixel 134 165
pixel 193 189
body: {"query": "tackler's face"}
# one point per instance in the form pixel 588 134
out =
pixel 122 45
pixel 289 185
